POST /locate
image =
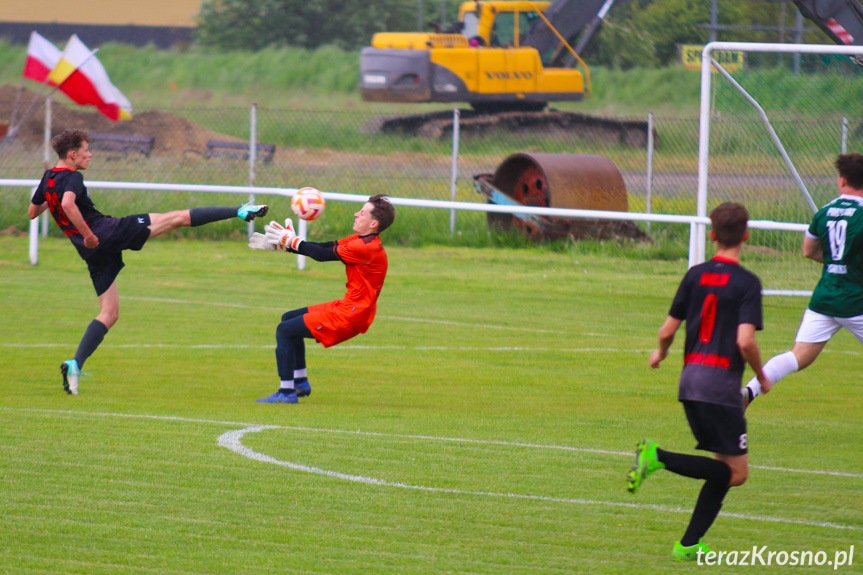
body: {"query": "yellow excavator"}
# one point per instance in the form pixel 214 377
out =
pixel 499 55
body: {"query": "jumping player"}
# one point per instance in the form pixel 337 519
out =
pixel 100 239
pixel 336 321
pixel 835 239
pixel 721 304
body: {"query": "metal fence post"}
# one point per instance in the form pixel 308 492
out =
pixel 843 145
pixel 649 170
pixel 253 149
pixel 302 231
pixel 455 142
pixel 34 241
pixel 46 155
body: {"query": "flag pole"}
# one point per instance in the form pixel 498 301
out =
pixel 16 103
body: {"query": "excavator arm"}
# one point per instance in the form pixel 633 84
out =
pixel 568 17
pixel 841 20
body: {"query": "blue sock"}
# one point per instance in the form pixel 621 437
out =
pixel 92 338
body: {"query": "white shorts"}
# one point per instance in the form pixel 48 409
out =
pixel 817 328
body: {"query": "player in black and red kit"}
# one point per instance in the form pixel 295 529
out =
pixel 100 239
pixel 721 304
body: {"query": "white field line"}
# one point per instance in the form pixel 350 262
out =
pixel 347 347
pixel 396 318
pixel 233 440
pixel 359 432
pixel 379 347
pixel 340 347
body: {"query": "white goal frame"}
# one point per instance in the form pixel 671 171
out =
pixel 698 240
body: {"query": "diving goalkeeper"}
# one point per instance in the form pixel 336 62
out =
pixel 333 322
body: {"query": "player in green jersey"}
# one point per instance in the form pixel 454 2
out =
pixel 835 238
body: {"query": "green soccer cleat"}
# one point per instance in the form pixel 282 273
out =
pixel 681 553
pixel 646 462
pixel 249 211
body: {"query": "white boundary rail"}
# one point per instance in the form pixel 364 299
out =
pixel 692 221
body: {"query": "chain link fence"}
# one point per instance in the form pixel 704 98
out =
pixel 357 152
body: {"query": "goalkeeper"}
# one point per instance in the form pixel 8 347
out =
pixel 336 321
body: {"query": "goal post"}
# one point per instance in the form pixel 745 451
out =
pixel 768 135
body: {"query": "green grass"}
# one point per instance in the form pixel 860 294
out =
pixel 513 383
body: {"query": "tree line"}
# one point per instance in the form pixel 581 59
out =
pixel 636 33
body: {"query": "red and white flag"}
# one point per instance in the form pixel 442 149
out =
pixel 81 76
pixel 42 57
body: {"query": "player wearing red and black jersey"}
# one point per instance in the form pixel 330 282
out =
pixel 101 239
pixel 714 299
pixel 721 305
pixel 333 322
pixel 52 189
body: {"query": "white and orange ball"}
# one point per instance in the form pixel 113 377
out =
pixel 308 203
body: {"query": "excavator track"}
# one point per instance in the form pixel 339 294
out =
pixel 623 131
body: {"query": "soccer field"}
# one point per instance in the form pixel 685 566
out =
pixel 483 425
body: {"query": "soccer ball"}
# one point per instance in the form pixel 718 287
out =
pixel 308 203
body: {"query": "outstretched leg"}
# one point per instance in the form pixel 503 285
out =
pixel 801 356
pixel 161 223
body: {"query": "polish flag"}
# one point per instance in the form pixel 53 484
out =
pixel 42 57
pixel 81 76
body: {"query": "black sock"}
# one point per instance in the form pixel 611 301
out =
pixel 717 473
pixel 706 509
pixel 694 466
pixel 210 214
pixel 92 338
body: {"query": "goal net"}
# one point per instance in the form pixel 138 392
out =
pixel 770 132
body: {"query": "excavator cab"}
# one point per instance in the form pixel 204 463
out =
pixel 490 63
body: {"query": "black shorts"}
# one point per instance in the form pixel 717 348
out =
pixel 131 233
pixel 718 428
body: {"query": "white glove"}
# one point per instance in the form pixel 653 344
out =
pixel 259 242
pixel 283 238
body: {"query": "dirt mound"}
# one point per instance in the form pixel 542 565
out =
pixel 173 134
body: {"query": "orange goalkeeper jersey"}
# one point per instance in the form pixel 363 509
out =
pixel 366 268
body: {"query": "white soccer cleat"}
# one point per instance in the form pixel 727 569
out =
pixel 70 372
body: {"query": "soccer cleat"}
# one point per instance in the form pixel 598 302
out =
pixel 646 462
pixel 303 388
pixel 681 553
pixel 746 394
pixel 281 396
pixel 249 211
pixel 70 372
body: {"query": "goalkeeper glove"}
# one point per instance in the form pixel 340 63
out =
pixel 283 238
pixel 259 242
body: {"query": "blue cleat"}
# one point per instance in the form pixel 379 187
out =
pixel 303 388
pixel 70 372
pixel 249 211
pixel 281 396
